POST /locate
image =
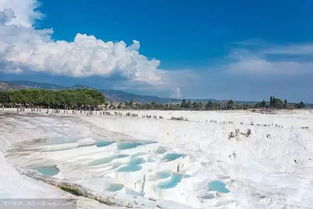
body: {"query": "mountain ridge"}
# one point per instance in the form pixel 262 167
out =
pixel 110 94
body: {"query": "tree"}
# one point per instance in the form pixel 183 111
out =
pixel 209 105
pixel 188 104
pixel 285 105
pixel 4 97
pixel 271 102
pixel 197 105
pixel 300 105
pixel 74 99
pixel 183 104
pixel 261 104
pixel 276 103
pixel 230 104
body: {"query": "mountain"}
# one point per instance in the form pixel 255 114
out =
pixel 6 86
pixel 32 84
pixel 122 96
pixel 111 95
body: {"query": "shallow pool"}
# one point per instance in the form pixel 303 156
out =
pixel 115 187
pixel 217 186
pixel 48 170
pixel 163 174
pixel 104 143
pixel 132 144
pixel 129 168
pixel 172 156
pixel 172 182
pixel 132 165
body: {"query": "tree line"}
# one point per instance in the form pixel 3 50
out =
pixel 57 99
pixel 273 103
pixel 279 104
pixel 91 99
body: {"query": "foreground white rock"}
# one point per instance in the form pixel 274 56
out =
pixel 236 159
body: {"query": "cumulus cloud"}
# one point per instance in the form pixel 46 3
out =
pixel 24 48
pixel 25 12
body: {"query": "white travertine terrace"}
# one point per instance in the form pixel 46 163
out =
pixel 261 160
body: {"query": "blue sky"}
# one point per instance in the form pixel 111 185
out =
pixel 242 50
pixel 182 33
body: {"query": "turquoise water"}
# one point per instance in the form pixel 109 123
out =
pixel 115 187
pixel 163 174
pixel 48 170
pixel 129 168
pixel 174 180
pixel 107 159
pixel 172 156
pixel 128 145
pixel 217 186
pixel 104 143
pixel 136 161
pixel 133 144
pixel 132 165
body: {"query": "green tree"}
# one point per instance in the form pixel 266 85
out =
pixel 300 105
pixel 183 104
pixel 285 105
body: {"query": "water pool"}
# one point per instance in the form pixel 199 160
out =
pixel 217 186
pixel 48 170
pixel 133 144
pixel 104 143
pixel 129 168
pixel 115 187
pixel 174 180
pixel 132 165
pixel 163 174
pixel 172 156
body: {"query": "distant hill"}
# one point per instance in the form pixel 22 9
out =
pixel 5 86
pixel 32 84
pixel 111 95
pixel 122 96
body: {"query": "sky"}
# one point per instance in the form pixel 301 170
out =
pixel 240 50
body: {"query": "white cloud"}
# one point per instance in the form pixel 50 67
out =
pixel 23 48
pixel 275 61
pixel 24 11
